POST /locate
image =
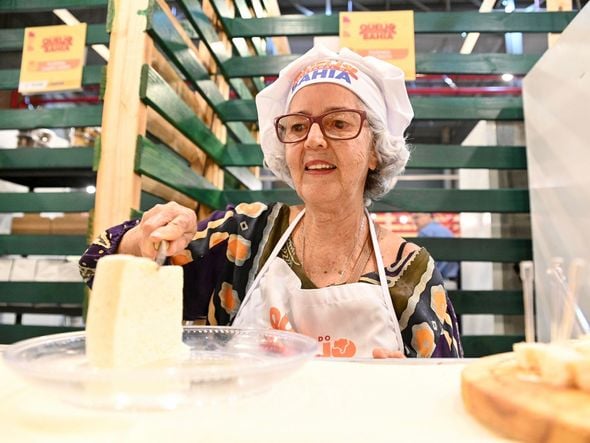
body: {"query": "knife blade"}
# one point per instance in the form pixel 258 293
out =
pixel 161 254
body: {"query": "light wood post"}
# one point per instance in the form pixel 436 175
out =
pixel 118 188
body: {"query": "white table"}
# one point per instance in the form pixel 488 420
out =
pixel 325 401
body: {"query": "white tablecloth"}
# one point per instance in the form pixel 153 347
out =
pixel 325 401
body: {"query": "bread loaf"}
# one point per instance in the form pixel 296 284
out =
pixel 135 313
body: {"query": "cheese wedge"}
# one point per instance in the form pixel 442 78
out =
pixel 135 313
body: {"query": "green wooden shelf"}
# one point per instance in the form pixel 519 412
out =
pixel 79 116
pixel 12 333
pixel 42 244
pixel 48 167
pixel 12 6
pixel 436 63
pixel 498 250
pixel 481 345
pixel 46 202
pixel 425 108
pixel 42 292
pixel 501 302
pixel 424 23
pixel 423 156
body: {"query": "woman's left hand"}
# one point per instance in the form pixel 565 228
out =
pixel 386 353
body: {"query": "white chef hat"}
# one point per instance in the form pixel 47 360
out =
pixel 379 84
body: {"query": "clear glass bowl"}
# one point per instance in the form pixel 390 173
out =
pixel 223 363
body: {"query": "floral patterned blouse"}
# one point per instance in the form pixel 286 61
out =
pixel 231 246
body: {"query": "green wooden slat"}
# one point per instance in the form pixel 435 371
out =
pixel 467 108
pixel 499 250
pixel 167 37
pixel 12 6
pixel 425 156
pixel 166 166
pixel 425 108
pixel 44 167
pixel 424 23
pixel 42 244
pixel 12 39
pixel 422 156
pixel 454 200
pixel 155 92
pixel 46 201
pixel 240 45
pixel 45 158
pixel 242 155
pixel 416 200
pixel 12 333
pixel 501 302
pixel 195 15
pixel 244 12
pixel 170 41
pixel 436 63
pixel 41 292
pixel 160 96
pixel 90 75
pixel 453 22
pixel 78 116
pixel 482 345
pixel 257 65
pixel 448 63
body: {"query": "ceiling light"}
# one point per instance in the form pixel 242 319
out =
pixel 507 77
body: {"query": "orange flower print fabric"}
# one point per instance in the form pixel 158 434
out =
pixel 238 249
pixel 438 301
pixel 423 340
pixel 229 298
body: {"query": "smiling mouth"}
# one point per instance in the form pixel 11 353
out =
pixel 322 167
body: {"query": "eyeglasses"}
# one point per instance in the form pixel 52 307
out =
pixel 342 124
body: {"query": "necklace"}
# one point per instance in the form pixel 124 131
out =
pixel 362 256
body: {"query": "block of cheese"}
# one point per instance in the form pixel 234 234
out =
pixel 135 313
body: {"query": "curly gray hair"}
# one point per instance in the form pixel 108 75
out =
pixel 392 156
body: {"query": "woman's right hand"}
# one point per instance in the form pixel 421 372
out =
pixel 172 222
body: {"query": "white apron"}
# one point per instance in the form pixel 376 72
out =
pixel 347 320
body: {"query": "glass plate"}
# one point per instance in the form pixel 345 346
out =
pixel 223 363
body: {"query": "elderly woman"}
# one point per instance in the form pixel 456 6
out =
pixel 332 127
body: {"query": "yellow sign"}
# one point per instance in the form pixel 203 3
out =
pixel 387 35
pixel 53 58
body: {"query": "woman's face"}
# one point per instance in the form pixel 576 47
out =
pixel 325 170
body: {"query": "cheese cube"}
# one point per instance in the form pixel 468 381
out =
pixel 135 313
pixel 527 355
pixel 556 365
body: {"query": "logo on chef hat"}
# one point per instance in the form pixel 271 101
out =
pixel 333 70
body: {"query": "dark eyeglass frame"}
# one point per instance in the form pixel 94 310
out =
pixel 318 119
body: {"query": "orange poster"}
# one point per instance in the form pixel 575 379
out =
pixel 53 58
pixel 387 35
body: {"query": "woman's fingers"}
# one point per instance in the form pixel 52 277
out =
pixel 386 353
pixel 172 222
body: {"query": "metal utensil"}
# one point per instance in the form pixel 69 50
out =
pixel 161 254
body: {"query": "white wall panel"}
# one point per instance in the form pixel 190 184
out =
pixel 557 119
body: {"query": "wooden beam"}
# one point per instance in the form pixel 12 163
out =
pixel 124 117
pixel 168 134
pixel 166 192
